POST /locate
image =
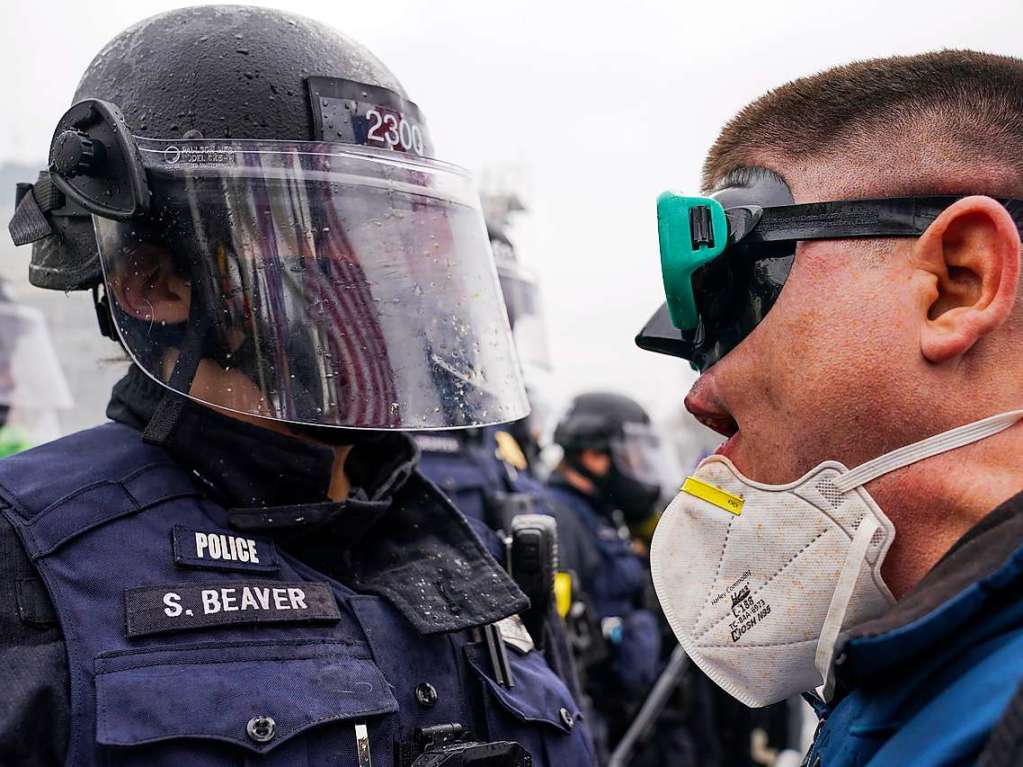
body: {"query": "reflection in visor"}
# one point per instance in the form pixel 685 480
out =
pixel 337 359
pixel 328 285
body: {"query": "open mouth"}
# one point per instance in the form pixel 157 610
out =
pixel 715 418
pixel 709 411
pixel 722 424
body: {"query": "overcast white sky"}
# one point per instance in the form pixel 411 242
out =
pixel 599 106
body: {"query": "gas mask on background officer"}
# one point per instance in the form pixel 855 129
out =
pixel 254 203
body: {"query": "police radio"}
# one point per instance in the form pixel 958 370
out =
pixel 502 508
pixel 532 564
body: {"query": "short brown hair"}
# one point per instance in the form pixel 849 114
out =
pixel 970 103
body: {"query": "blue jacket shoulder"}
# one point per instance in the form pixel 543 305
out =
pixel 36 479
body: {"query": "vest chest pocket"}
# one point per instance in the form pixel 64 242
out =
pixel 279 704
pixel 537 711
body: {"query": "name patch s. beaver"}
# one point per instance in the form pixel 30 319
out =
pixel 178 607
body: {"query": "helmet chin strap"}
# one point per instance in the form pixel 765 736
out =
pixel 172 404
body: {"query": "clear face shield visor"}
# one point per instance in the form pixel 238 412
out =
pixel 313 283
pixel 640 455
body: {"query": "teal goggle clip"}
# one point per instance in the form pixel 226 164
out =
pixel 693 231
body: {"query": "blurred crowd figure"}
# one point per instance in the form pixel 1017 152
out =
pixel 33 390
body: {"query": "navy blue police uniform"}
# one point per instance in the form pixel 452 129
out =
pixel 199 602
pixel 615 580
pixel 470 469
pixel 467 468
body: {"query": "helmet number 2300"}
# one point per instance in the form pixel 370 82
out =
pixel 394 131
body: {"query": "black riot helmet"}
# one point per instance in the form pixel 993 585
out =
pixel 260 200
pixel 618 426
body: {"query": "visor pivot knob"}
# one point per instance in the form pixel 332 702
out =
pixel 75 154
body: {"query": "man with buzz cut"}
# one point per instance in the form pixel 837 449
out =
pixel 848 289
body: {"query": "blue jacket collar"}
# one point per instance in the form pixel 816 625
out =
pixel 392 533
pixel 968 597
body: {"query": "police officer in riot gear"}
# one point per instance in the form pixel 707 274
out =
pixel 245 565
pixel 608 478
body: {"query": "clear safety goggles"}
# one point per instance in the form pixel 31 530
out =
pixel 313 283
pixel 725 258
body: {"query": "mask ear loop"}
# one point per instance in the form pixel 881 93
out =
pixel 925 448
pixel 847 577
pixel 856 555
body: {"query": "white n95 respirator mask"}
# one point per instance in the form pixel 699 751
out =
pixel 758 581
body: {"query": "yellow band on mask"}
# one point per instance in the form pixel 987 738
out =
pixel 715 495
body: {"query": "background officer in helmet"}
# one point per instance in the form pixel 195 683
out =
pixel 608 478
pixel 245 565
pixel 488 472
pixel 482 469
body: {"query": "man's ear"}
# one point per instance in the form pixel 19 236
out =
pixel 146 287
pixel 972 254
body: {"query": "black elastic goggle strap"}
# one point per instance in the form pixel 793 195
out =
pixel 850 219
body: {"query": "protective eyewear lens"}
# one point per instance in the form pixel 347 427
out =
pixel 718 287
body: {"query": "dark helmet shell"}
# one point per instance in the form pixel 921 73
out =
pixel 595 418
pixel 225 71
pixel 218 71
